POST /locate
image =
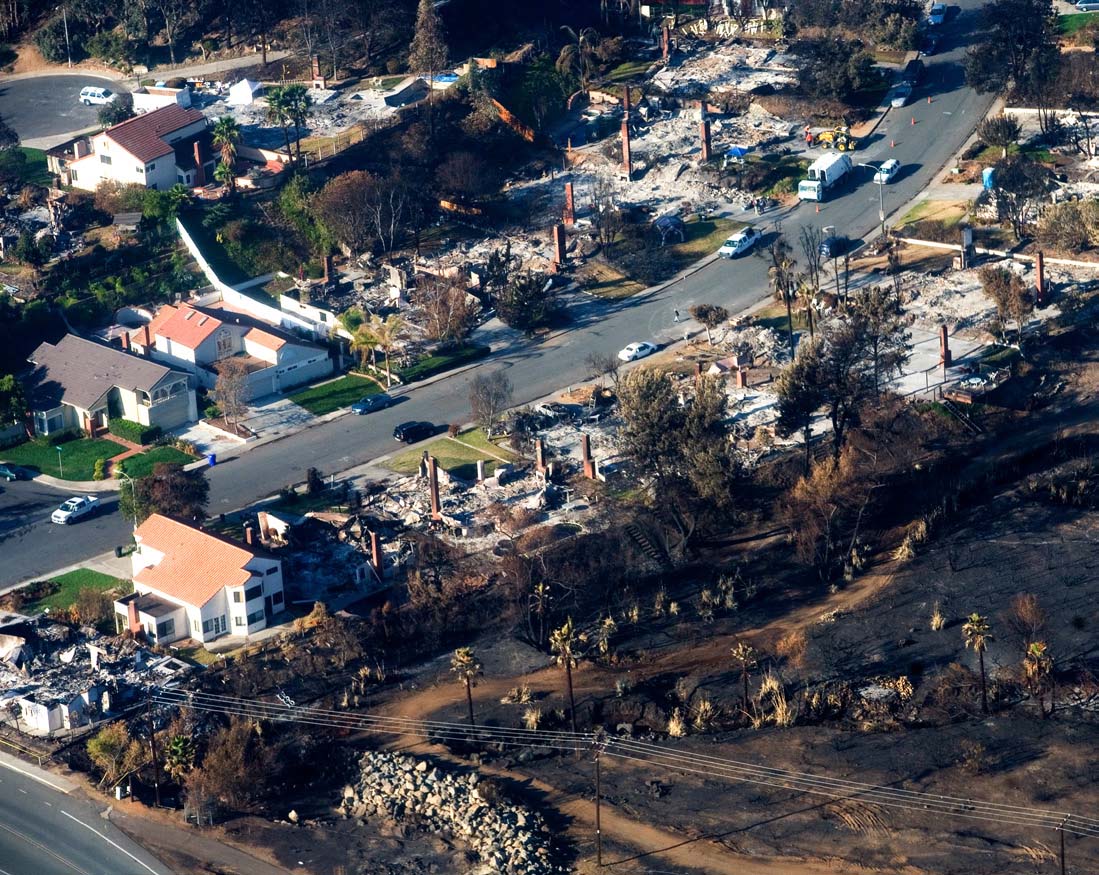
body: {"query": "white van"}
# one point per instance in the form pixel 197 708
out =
pixel 90 95
pixel 1088 6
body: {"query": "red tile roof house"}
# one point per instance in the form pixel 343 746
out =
pixel 200 338
pixel 192 584
pixel 157 150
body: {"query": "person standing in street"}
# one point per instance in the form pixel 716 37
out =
pixel 676 315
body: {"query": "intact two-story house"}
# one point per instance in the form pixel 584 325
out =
pixel 193 584
pixel 157 150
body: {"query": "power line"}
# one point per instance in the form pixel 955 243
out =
pixel 647 754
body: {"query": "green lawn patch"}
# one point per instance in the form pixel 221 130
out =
pixel 950 213
pixel 442 361
pixel 142 465
pixel 335 394
pixel 702 237
pixel 477 439
pixel 196 653
pixel 77 457
pixel 773 316
pixel 28 165
pixel 999 356
pixel 455 457
pixel 1070 24
pixel 64 588
pixel 607 281
pixel 627 71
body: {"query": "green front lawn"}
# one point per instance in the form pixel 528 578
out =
pixel 476 438
pixel 455 456
pixel 77 457
pixel 29 165
pixel 142 465
pixel 64 589
pixel 702 237
pixel 1070 24
pixel 442 361
pixel 335 394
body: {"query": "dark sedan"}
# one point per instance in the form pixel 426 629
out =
pixel 411 432
pixel 371 403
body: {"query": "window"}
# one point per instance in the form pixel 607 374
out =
pixel 253 592
pixel 255 617
pixel 180 179
pixel 140 169
pixel 236 596
pixel 272 570
pixel 238 621
pixel 276 599
pixel 224 343
pixel 104 159
pixel 151 166
pixel 194 625
pixel 324 317
pixel 166 629
pixel 207 626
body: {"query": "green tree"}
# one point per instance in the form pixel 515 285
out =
pixel 115 753
pixel 13 401
pixel 179 757
pixel 800 397
pixel 226 137
pixel 782 273
pixel 1000 131
pixel 709 316
pixel 846 378
pixel 1010 295
pixel 879 318
pixel 297 104
pixel 834 68
pixel 466 668
pixel 578 57
pixel 117 111
pixel 527 302
pixel 278 112
pixel 428 51
pixel 1037 672
pixel 977 635
pixel 1019 47
pixel 168 490
pixel 383 334
pixel 1019 185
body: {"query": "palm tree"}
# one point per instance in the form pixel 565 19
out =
pixel 564 642
pixel 576 57
pixel 387 332
pixel 224 174
pixel 226 135
pixel 978 636
pixel 179 758
pixel 278 111
pixel 1037 670
pixel 466 667
pixel 746 657
pixel 298 103
pixel 364 343
pixel 781 273
pixel 805 291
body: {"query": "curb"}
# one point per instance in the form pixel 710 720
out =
pixel 88 486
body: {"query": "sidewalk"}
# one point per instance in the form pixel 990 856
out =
pixel 209 67
pixel 77 487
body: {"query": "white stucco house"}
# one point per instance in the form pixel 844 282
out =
pixel 157 150
pixel 192 584
pixel 198 338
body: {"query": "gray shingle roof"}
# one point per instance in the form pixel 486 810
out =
pixel 78 372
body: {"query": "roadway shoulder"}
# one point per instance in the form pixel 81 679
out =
pixel 35 773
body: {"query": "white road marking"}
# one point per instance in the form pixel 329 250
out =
pixel 111 843
pixel 21 790
pixel 50 804
pixel 59 788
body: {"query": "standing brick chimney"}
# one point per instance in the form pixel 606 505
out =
pixel 742 378
pixel 569 216
pixel 944 347
pixel 433 485
pixel 249 535
pixel 376 559
pixel 124 339
pixel 665 42
pixel 585 455
pixel 329 270
pixel 133 622
pixel 704 130
pixel 200 172
pixel 627 161
pixel 540 456
pixel 559 254
pixel 1040 279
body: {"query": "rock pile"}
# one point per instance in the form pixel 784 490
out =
pixel 507 838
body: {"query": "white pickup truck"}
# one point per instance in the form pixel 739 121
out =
pixel 76 507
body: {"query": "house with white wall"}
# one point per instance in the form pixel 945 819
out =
pixel 197 338
pixel 193 584
pixel 156 150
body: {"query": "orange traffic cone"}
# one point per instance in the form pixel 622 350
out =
pixel 818 208
pixel 913 121
pixel 929 98
pixel 892 144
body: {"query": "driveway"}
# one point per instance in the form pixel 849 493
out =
pixel 46 110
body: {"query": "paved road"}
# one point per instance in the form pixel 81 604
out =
pixel 30 544
pixel 537 370
pixel 49 106
pixel 45 832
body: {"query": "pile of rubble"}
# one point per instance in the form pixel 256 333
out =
pixel 728 67
pixel 506 837
pixel 764 346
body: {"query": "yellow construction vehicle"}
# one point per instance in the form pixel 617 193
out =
pixel 838 138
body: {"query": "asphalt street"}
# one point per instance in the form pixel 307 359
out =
pixel 922 136
pixel 49 106
pixel 46 832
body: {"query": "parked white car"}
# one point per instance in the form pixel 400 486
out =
pixel 636 351
pixel 887 171
pixel 742 241
pixel 937 15
pixel 76 507
pixel 91 95
pixel 901 95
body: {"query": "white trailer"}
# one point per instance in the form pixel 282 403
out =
pixel 824 174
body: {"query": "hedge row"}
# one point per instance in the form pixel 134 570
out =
pixel 134 432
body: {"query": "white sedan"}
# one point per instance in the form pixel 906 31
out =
pixel 937 15
pixel 636 351
pixel 75 508
pixel 887 171
pixel 740 242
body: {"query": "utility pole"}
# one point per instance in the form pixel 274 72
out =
pixel 1061 830
pixel 600 742
pixel 65 21
pixel 152 745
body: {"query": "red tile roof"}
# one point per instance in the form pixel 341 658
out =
pixel 265 339
pixel 187 326
pixel 196 565
pixel 143 135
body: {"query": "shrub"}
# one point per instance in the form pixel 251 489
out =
pixel 134 432
pixel 176 82
pixel 51 42
pixel 99 469
pixel 212 411
pixel 314 482
pixel 454 429
pixel 393 66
